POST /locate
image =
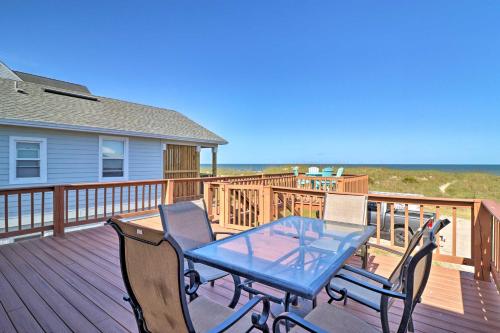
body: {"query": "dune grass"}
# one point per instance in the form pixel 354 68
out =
pixel 431 183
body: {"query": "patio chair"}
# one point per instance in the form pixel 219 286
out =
pixel 329 318
pixel 347 208
pixel 152 266
pixel 327 172
pixel 340 172
pixel 313 171
pixel 188 223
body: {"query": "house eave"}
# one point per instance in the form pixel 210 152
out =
pixel 89 129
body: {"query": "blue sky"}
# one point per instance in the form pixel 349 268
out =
pixel 286 81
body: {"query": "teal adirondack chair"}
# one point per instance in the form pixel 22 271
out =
pixel 327 172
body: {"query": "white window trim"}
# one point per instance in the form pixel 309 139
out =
pixel 12 160
pixel 125 158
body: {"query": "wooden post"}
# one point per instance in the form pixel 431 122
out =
pixel 208 196
pixel 481 240
pixel 224 205
pixel 266 205
pixel 169 192
pixel 339 185
pixel 214 161
pixel 58 208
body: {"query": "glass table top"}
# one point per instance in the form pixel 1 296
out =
pixel 293 254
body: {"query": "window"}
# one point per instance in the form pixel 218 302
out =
pixel 113 160
pixel 27 160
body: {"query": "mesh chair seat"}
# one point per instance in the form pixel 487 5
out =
pixel 333 319
pixel 207 273
pixel 206 314
pixel 360 294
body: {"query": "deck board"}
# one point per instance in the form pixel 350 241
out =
pixel 74 284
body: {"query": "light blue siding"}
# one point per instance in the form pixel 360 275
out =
pixel 145 159
pixel 73 157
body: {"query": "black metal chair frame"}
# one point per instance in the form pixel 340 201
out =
pixel 385 282
pixel 406 295
pixel 259 320
pixel 236 279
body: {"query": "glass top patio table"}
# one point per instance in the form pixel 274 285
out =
pixel 293 254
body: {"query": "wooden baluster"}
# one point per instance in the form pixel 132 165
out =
pixel 301 205
pixel 6 211
pixel 128 198
pixel 438 239
pixel 156 195
pixel 32 209
pixel 96 201
pixel 121 199
pixel 407 225
pixel 149 196
pixel 310 205
pixel 284 204
pixel 86 204
pixel 113 201
pixel 136 198
pixel 454 231
pixel 42 208
pixel 378 222
pixel 143 195
pixel 276 209
pixel 77 204
pixel 245 222
pixel 105 200
pixel 67 206
pixel 19 212
pixel 391 208
pixel 421 221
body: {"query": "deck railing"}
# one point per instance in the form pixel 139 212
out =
pixel 242 202
pixel 465 241
pixel 26 210
pixel 38 210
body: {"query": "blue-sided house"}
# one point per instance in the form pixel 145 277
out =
pixel 56 132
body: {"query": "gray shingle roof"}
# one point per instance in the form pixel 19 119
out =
pixel 6 73
pixel 27 77
pixel 38 108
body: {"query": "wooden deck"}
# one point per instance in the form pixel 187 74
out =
pixel 74 284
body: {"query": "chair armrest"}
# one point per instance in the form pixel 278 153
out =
pixel 196 281
pixel 371 287
pixel 259 321
pixel 299 321
pixel 217 233
pixel 385 248
pixel 372 276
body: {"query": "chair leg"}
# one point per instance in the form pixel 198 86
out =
pixel 237 291
pixel 411 328
pixel 212 284
pixel 364 256
pixel 384 318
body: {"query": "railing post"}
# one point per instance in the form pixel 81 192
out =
pixel 224 205
pixel 339 185
pixel 58 209
pixel 208 197
pixel 266 206
pixel 481 241
pixel 169 192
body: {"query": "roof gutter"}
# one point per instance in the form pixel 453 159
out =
pixel 87 129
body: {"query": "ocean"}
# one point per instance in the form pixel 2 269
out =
pixel 486 168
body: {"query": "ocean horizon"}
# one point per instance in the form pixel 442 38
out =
pixel 485 168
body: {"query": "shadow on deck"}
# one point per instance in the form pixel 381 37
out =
pixel 74 284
